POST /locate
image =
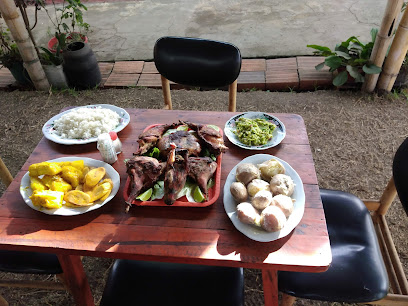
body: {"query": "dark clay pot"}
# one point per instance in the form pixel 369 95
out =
pixel 402 77
pixel 20 73
pixel 80 66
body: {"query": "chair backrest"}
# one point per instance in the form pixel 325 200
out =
pixel 197 62
pixel 400 173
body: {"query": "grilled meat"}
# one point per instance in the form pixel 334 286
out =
pixel 176 173
pixel 201 169
pixel 150 137
pixel 210 136
pixel 182 140
pixel 143 172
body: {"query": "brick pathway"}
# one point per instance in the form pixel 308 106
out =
pixel 282 74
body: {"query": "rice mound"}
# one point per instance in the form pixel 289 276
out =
pixel 84 123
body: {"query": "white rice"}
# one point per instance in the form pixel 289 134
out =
pixel 84 123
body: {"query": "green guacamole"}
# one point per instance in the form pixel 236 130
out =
pixel 254 132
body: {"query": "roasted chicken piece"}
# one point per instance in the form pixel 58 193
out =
pixel 143 172
pixel 176 173
pixel 201 169
pixel 210 136
pixel 150 137
pixel 182 140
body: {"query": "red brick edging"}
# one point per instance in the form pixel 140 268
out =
pixel 281 74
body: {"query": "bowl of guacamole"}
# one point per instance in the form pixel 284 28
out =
pixel 255 130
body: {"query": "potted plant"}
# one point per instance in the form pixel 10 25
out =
pixel 68 22
pixel 350 59
pixel 10 58
pixel 52 65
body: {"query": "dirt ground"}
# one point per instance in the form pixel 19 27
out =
pixel 353 138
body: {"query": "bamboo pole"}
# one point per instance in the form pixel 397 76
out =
pixel 396 55
pixel 25 46
pixel 382 41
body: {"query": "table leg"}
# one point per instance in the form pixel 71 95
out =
pixel 270 287
pixel 76 279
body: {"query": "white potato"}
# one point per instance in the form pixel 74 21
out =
pixel 262 199
pixel 257 185
pixel 270 168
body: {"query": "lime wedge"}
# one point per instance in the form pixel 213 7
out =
pixel 198 195
pixel 182 128
pixel 145 195
pixel 214 127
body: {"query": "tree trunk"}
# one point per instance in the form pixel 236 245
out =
pixel 384 36
pixel 25 46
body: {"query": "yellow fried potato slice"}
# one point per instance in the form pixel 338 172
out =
pixel 44 168
pixel 108 193
pixel 37 185
pixel 59 184
pixel 94 176
pixel 72 175
pixel 79 164
pixel 69 204
pixel 78 197
pixel 47 198
pixel 100 191
pixel 84 173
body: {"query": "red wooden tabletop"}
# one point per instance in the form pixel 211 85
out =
pixel 175 234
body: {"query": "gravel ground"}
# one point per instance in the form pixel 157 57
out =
pixel 353 138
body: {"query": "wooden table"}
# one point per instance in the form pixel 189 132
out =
pixel 173 234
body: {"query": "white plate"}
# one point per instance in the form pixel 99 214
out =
pixel 277 136
pixel 111 173
pixel 253 232
pixel 50 134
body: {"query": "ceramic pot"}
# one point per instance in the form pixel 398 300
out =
pixel 52 43
pixel 402 77
pixel 80 66
pixel 20 73
pixel 56 76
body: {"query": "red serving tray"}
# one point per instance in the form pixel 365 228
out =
pixel 213 192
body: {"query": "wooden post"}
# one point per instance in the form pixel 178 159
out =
pixel 166 93
pixel 25 46
pixel 5 174
pixel 382 41
pixel 396 55
pixel 232 90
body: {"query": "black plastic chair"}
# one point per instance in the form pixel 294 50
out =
pixel 156 283
pixel 28 262
pixel 365 266
pixel 199 63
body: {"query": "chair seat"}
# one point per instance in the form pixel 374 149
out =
pixel 357 273
pixel 29 262
pixel 154 283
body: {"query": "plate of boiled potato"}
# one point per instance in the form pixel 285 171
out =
pixel 264 197
pixel 69 186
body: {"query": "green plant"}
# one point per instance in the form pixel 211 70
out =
pixel 349 58
pixel 9 53
pixel 68 21
pixel 50 58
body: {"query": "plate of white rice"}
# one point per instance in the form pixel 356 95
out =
pixel 84 124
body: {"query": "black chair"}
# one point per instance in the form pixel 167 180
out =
pixel 198 63
pixel 155 283
pixel 365 266
pixel 28 262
